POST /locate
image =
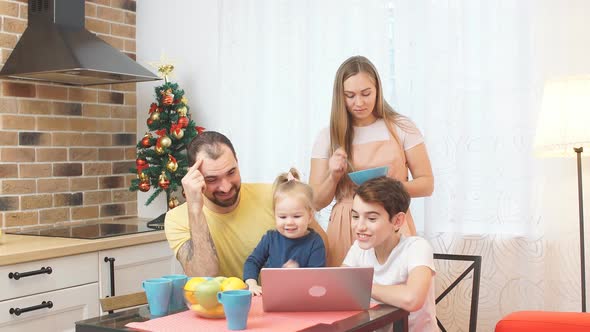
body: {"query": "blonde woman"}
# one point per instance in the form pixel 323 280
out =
pixel 364 132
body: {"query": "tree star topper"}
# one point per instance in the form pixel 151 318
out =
pixel 165 67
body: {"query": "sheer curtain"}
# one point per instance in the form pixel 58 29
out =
pixel 277 64
pixel 471 74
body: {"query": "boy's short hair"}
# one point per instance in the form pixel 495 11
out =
pixel 387 192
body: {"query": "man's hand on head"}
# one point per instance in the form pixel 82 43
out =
pixel 194 185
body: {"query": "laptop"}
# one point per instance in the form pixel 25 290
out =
pixel 316 289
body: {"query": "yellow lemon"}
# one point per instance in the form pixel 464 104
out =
pixel 216 312
pixel 233 283
pixel 191 285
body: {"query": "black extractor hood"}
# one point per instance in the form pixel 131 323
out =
pixel 57 48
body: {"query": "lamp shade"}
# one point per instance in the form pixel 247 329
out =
pixel 564 121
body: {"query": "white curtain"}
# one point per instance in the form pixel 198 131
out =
pixel 470 74
pixel 277 64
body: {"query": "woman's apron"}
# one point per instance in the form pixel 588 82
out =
pixel 367 155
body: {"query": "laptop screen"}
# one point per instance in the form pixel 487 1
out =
pixel 316 289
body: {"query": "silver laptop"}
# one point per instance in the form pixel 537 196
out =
pixel 316 289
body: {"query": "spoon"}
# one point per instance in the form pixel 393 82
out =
pixel 336 147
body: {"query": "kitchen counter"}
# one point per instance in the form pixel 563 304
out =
pixel 16 249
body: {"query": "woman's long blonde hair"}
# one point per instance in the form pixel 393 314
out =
pixel 341 129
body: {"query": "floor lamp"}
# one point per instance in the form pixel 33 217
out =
pixel 562 131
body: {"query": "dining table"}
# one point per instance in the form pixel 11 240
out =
pixel 376 317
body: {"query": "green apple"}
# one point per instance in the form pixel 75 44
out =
pixel 206 294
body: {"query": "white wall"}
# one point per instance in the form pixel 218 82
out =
pixel 187 33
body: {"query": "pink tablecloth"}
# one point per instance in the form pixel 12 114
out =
pixel 258 320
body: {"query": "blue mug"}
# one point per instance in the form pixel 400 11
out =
pixel 177 294
pixel 236 305
pixel 158 292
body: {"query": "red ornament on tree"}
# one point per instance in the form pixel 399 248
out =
pixel 199 129
pixel 167 97
pixel 139 162
pixel 144 186
pixel 141 165
pixel 145 141
pixel 183 121
pixel 150 121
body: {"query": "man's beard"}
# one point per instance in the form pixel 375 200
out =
pixel 227 202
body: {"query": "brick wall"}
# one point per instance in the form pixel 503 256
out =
pixel 65 151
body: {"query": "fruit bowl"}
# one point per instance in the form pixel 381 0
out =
pixel 359 177
pixel 200 294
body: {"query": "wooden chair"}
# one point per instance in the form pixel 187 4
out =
pixel 123 301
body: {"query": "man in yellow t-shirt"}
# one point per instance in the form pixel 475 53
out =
pixel 222 220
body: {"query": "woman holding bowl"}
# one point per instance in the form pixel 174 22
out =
pixel 365 132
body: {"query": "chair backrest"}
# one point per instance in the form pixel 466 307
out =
pixel 475 266
pixel 123 301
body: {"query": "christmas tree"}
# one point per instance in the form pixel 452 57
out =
pixel 161 154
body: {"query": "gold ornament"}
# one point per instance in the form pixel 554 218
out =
pixel 143 177
pixel 165 141
pixel 182 110
pixel 172 166
pixel 155 116
pixel 178 134
pixel 173 202
pixel 163 181
pixel 184 100
pixel 159 150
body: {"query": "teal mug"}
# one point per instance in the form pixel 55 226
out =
pixel 236 305
pixel 176 296
pixel 158 292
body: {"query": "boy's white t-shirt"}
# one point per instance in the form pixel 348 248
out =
pixel 410 252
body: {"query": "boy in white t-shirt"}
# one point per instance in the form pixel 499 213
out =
pixel 404 266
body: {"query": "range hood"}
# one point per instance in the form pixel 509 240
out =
pixel 57 48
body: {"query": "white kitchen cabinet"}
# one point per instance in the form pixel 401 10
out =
pixel 74 284
pixel 134 264
pixel 24 279
pixel 49 294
